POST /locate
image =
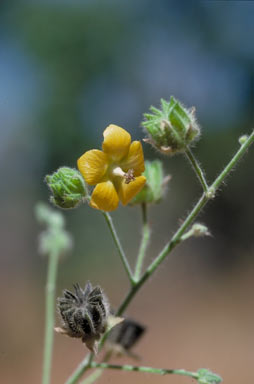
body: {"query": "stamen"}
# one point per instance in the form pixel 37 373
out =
pixel 128 176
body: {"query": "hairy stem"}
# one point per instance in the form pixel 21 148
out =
pixel 93 376
pixel 233 162
pixel 50 316
pixel 82 368
pixel 132 368
pixel 144 242
pixel 198 170
pixel 118 245
pixel 98 372
pixel 210 193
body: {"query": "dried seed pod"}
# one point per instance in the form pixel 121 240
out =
pixel 84 314
pixel 122 338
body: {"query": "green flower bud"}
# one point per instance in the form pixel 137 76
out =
pixel 67 186
pixel 155 186
pixel 54 238
pixel 197 230
pixel 172 128
pixel 46 215
pixel 243 139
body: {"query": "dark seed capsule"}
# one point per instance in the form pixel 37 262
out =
pixel 126 334
pixel 84 313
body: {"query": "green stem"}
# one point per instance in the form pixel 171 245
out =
pixel 210 193
pixel 166 250
pixel 93 377
pixel 50 316
pixel 233 162
pixel 118 245
pixel 189 220
pixel 144 242
pixel 82 368
pixel 98 372
pixel 157 371
pixel 197 168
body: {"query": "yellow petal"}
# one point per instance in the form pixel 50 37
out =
pixel 93 165
pixel 134 159
pixel 116 142
pixel 127 191
pixel 104 197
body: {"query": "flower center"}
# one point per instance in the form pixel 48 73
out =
pixel 127 176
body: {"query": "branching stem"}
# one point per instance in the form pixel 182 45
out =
pixel 98 372
pixel 82 368
pixel 187 222
pixel 208 194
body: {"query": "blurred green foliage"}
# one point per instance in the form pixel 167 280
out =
pixel 74 44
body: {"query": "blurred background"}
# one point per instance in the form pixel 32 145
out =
pixel 68 68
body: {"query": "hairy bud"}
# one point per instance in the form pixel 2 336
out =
pixel 207 377
pixel 67 186
pixel 55 237
pixel 155 186
pixel 172 128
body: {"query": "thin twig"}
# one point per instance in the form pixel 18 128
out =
pixel 198 170
pixel 98 372
pixel 158 371
pixel 144 242
pixel 210 193
pixel 82 368
pixel 50 315
pixel 119 247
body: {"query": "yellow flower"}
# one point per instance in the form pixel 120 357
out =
pixel 116 170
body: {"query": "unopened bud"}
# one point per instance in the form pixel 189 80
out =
pixel 54 238
pixel 68 188
pixel 172 128
pixel 197 230
pixel 49 217
pixel 207 377
pixel 243 139
pixel 155 186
